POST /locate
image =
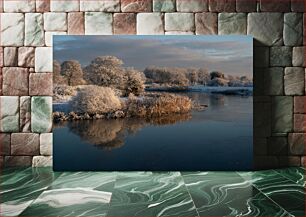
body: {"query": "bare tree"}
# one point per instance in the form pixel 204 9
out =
pixel 73 72
pixel 58 79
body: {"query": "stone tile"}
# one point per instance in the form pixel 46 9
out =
pixel 179 33
pixel 42 161
pixel 136 5
pixel 282 117
pixel 266 28
pixel 98 23
pixel 259 80
pixel 150 24
pixel 179 22
pixel 299 123
pixel 303 162
pixel 265 162
pixel 49 37
pixel 294 81
pixel 232 23
pixel 26 56
pixel 1 81
pixel 271 6
pixel 293 29
pixel 43 59
pixel 9 114
pixel 222 5
pixel 206 23
pixel 15 81
pixel 101 5
pixel 297 6
pixel 1 56
pixel 76 23
pixel 10 56
pixel 42 5
pixel 260 146
pixel 41 114
pixel 289 161
pixel 34 30
pixel 55 21
pixel 278 145
pixel 299 104
pixel 12 27
pixel 19 6
pixel 246 5
pixel 64 5
pixel 40 84
pixel 25 144
pixel 296 143
pixel 262 119
pixel 5 144
pixel 304 32
pixel 261 57
pixel 163 5
pixel 274 81
pixel 17 161
pixel 25 114
pixel 281 56
pixel 46 143
pixel 298 56
pixel 124 23
pixel 192 5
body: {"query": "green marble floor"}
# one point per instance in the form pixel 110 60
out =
pixel 42 192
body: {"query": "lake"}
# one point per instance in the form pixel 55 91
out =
pixel 217 138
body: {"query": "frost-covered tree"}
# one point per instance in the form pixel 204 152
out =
pixel 73 72
pixel 105 71
pixel 203 76
pixel 216 74
pixel 134 82
pixel 58 79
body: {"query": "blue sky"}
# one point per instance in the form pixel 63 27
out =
pixel 229 54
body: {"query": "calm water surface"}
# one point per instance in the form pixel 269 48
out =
pixel 218 138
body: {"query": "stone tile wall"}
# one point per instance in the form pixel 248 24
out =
pixel 27 27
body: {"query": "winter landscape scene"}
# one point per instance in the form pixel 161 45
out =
pixel 153 102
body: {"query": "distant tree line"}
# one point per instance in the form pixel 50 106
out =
pixel 108 71
pixel 191 76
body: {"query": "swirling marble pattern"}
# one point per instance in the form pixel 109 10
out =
pixel 20 189
pixel 42 192
pixel 223 194
pixel 283 191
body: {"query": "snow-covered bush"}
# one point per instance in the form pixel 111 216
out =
pixel 62 93
pixel 95 99
pixel 157 105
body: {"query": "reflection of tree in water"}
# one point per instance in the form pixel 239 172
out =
pixel 217 100
pixel 110 134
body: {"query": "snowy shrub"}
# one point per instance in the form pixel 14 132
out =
pixel 62 93
pixel 95 99
pixel 156 105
